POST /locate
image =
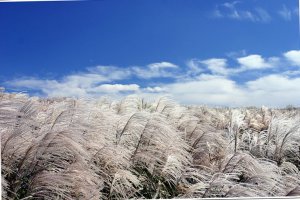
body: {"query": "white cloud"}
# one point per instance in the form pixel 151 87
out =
pixel 257 62
pixel 235 54
pixel 292 73
pixel 115 88
pixel 230 5
pixel 263 15
pixel 275 90
pixel 208 89
pixel 273 83
pixel 111 72
pixel 234 14
pixel 30 83
pixel 293 57
pixel 51 88
pixel 219 66
pixel 285 13
pixel 272 90
pixel 96 81
pixel 86 84
pixel 155 70
pixel 248 15
pixel 203 81
pixel 231 11
pixel 194 67
pixel 155 89
pixel 216 65
pixel 217 14
pixel 70 88
pixel 162 65
pixel 288 13
pixel 85 80
pixel 148 73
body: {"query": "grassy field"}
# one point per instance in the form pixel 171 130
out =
pixel 62 148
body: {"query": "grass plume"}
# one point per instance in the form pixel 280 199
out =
pixel 62 148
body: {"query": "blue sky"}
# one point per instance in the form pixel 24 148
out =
pixel 232 53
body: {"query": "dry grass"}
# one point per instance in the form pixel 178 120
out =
pixel 100 149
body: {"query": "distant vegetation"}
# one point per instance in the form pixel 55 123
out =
pixel 62 148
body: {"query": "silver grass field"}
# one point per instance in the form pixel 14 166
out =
pixel 64 148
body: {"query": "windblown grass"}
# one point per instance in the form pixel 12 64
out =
pixel 62 148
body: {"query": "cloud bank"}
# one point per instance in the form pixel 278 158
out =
pixel 248 80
